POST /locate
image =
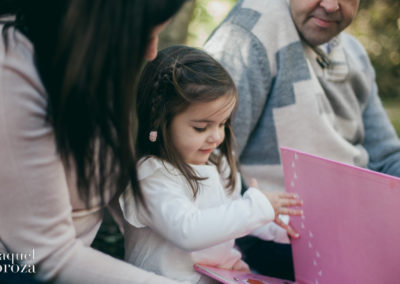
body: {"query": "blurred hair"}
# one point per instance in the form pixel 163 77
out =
pixel 178 77
pixel 89 55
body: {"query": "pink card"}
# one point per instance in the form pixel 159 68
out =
pixel 236 277
pixel 350 230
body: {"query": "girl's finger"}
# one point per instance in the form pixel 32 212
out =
pixel 291 202
pixel 290 211
pixel 281 224
pixel 292 233
pixel 288 195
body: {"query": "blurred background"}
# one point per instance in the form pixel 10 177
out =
pixel 377 26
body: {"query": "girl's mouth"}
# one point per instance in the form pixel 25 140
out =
pixel 206 151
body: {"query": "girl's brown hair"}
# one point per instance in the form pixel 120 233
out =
pixel 178 77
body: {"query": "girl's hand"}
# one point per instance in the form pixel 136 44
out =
pixel 281 201
pixel 240 265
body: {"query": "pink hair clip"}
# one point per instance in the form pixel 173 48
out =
pixel 153 136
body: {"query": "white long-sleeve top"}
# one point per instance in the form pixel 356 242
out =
pixel 40 208
pixel 178 231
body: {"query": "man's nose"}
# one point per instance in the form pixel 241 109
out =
pixel 330 6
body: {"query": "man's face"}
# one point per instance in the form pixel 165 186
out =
pixel 318 21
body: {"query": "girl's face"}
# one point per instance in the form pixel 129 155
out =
pixel 200 129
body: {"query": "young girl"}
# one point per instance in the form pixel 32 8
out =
pixel 193 209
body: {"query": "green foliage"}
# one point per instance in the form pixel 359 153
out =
pixel 207 15
pixel 377 26
pixel 392 107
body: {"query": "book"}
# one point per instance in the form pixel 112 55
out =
pixel 350 230
pixel 227 276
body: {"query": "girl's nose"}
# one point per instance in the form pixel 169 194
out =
pixel 330 6
pixel 215 136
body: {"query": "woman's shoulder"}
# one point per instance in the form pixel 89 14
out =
pixel 17 66
pixel 14 45
pixel 23 99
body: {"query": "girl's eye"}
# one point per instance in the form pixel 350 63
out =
pixel 222 125
pixel 200 129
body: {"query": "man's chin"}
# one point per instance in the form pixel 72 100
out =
pixel 317 40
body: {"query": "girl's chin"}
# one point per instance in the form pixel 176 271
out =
pixel 200 160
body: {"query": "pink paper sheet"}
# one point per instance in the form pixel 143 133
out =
pixel 236 277
pixel 350 230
